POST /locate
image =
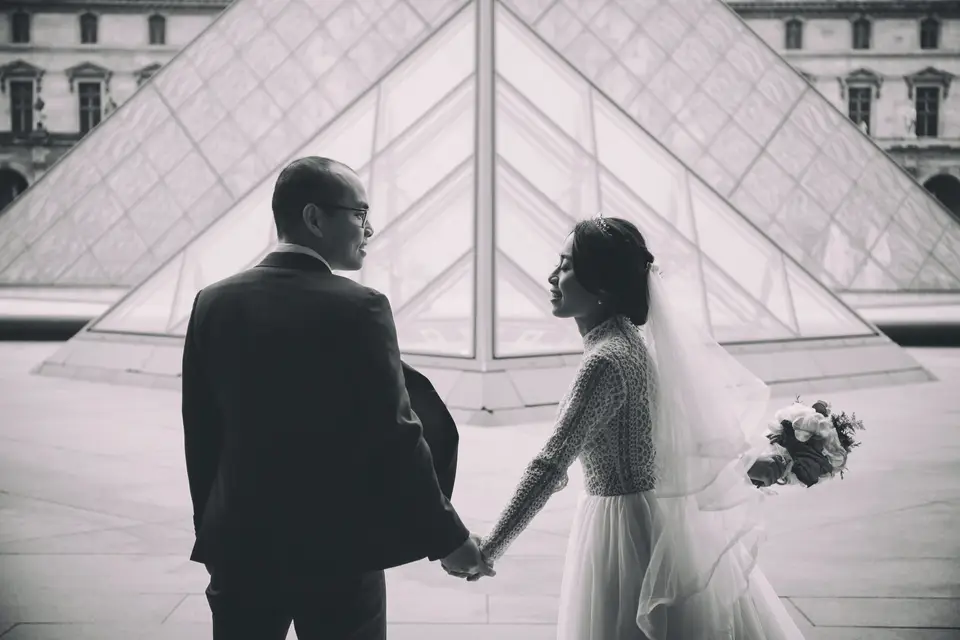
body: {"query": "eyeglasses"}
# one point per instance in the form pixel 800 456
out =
pixel 363 213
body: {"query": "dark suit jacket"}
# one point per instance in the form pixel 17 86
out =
pixel 303 453
pixel 439 428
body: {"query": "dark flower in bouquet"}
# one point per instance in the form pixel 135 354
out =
pixel 806 444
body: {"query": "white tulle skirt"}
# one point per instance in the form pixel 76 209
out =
pixel 607 556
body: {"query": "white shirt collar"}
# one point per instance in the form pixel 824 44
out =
pixel 288 247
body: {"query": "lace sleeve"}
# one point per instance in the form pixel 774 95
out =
pixel 595 397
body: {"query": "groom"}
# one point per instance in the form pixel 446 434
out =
pixel 308 470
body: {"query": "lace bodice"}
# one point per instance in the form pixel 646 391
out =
pixel 605 420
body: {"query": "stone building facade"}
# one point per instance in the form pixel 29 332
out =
pixel 891 65
pixel 66 64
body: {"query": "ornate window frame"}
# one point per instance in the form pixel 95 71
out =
pixel 861 77
pixel 929 77
pixel 789 22
pixel 20 70
pixel 89 72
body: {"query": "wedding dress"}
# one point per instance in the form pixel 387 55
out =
pixel 654 553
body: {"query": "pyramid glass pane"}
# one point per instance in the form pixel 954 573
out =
pixel 422 209
pixel 154 305
pixel 241 238
pixel 440 321
pixel 214 123
pixel 693 75
pixel 529 232
pixel 435 145
pixel 409 254
pixel 730 272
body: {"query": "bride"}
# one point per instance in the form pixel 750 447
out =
pixel 665 540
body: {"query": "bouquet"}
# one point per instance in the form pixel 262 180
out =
pixel 806 444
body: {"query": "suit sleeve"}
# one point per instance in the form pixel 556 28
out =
pixel 202 423
pixel 408 471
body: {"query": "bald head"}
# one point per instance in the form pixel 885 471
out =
pixel 321 204
pixel 310 180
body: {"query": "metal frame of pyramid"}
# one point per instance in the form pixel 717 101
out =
pixel 467 187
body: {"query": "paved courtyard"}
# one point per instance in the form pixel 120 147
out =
pixel 95 524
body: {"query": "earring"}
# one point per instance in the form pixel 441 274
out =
pixel 599 301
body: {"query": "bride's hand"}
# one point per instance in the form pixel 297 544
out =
pixel 486 560
pixel 473 566
pixel 472 575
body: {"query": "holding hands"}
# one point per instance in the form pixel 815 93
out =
pixel 468 561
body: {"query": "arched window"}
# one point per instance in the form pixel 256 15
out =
pixel 12 184
pixel 929 33
pixel 794 34
pixel 20 27
pixel 862 31
pixel 88 28
pixel 946 189
pixel 158 29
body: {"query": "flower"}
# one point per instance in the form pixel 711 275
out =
pixel 806 444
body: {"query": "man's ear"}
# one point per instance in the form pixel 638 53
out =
pixel 313 219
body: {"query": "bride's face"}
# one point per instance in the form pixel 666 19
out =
pixel 568 297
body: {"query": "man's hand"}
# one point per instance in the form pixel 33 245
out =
pixel 468 562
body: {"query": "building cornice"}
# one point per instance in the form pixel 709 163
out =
pixel 845 8
pixel 862 57
pixel 168 50
pixel 41 138
pixel 861 77
pixel 116 6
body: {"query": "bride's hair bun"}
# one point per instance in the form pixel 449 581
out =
pixel 610 255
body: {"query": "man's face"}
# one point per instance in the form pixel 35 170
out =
pixel 345 226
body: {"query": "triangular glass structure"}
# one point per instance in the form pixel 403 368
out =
pixel 562 148
pixel 479 152
pixel 216 121
pixel 416 135
pixel 693 75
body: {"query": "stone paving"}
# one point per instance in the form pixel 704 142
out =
pixel 95 523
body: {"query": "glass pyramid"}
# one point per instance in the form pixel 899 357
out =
pixel 209 127
pixel 694 76
pixel 562 151
pixel 415 133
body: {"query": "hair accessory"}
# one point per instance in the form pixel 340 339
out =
pixel 603 224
